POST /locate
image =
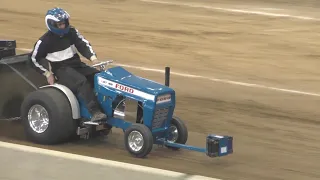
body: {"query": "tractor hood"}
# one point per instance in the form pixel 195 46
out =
pixel 123 77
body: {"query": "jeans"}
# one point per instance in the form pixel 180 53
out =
pixel 80 80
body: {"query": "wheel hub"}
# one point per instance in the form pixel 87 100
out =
pixel 38 118
pixel 135 140
pixel 173 134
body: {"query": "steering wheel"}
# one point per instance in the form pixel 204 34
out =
pixel 102 65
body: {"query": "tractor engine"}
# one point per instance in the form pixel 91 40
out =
pixel 159 113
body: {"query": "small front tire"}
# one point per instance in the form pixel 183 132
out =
pixel 178 132
pixel 138 140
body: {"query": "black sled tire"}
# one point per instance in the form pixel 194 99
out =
pixel 61 126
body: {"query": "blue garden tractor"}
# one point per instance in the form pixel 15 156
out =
pixel 142 108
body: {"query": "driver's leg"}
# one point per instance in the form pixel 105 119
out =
pixel 79 85
pixel 87 71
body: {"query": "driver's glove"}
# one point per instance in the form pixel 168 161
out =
pixel 50 77
pixel 93 58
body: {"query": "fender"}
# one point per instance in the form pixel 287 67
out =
pixel 75 107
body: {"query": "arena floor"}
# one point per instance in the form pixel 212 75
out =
pixel 276 131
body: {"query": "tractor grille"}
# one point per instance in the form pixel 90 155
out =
pixel 160 116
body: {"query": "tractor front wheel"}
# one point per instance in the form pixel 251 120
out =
pixel 138 140
pixel 178 133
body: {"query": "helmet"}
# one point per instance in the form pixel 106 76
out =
pixel 55 16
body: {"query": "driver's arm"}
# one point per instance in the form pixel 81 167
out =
pixel 83 45
pixel 39 53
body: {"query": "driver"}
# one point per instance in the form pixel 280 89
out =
pixel 55 56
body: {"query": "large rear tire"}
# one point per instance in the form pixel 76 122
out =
pixel 47 116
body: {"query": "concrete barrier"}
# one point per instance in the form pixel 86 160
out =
pixel 31 163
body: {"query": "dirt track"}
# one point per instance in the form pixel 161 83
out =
pixel 276 133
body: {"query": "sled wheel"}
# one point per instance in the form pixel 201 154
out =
pixel 47 117
pixel 178 132
pixel 138 140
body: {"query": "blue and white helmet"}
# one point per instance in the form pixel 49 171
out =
pixel 54 16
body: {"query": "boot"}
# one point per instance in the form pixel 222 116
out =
pixel 85 92
pixel 96 112
pixel 98 116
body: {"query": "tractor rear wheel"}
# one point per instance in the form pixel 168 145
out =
pixel 47 117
